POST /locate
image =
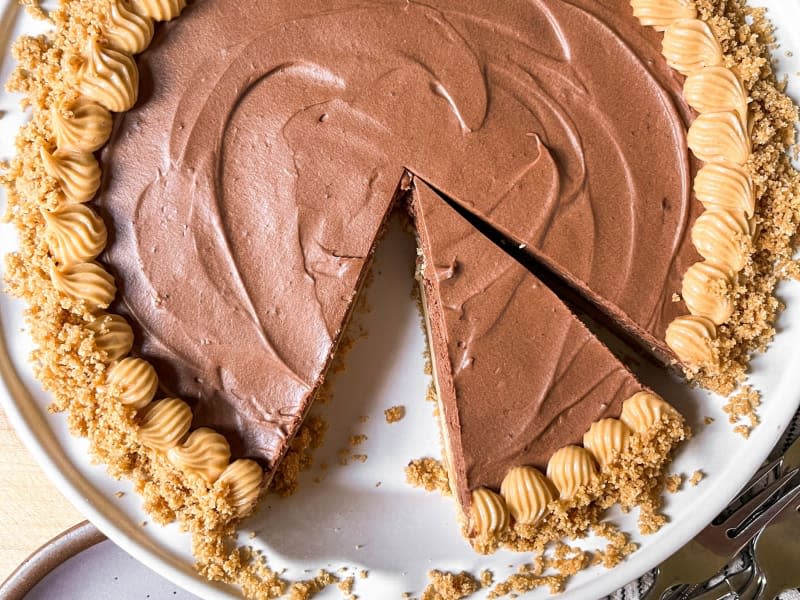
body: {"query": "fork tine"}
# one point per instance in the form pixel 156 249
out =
pixel 760 475
pixel 750 529
pixel 741 517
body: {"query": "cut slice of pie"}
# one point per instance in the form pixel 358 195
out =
pixel 521 382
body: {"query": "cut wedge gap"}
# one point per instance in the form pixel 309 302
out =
pixel 616 332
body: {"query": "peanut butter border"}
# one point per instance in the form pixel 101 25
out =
pixel 73 79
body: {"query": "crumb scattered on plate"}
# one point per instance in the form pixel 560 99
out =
pixel 429 474
pixel 395 414
pixel 696 477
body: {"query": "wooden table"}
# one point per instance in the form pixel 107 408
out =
pixel 32 511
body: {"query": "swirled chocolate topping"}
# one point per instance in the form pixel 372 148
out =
pixel 519 377
pixel 245 190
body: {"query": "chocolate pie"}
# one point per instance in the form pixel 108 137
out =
pixel 201 188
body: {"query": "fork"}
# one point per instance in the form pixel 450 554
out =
pixel 742 585
pixel 670 573
pixel 702 557
pixel 776 552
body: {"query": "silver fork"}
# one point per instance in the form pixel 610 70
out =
pixel 776 552
pixel 715 546
pixel 742 585
pixel 669 573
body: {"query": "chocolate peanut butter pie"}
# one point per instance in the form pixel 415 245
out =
pixel 201 188
pixel 523 387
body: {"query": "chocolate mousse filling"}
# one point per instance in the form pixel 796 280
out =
pixel 247 187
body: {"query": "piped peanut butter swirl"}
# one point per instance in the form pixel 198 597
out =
pixel 571 468
pixel 165 423
pixel 133 381
pixel 75 234
pixel 660 14
pixel 719 136
pixel 727 186
pixel 244 478
pixel 126 30
pixel 159 10
pixel 80 126
pixel 644 410
pixel 689 45
pixel 77 173
pixel 527 496
pixel 205 453
pixel 88 282
pixel 527 493
pixel 109 77
pixel 112 335
pixel 108 82
pixel 489 512
pixel 606 439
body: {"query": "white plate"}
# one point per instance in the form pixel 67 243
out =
pixel 396 532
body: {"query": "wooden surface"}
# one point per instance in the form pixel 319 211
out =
pixel 32 511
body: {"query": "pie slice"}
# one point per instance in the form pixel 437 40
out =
pixel 521 382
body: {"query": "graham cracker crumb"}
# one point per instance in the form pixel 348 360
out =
pixel 673 483
pixel 450 586
pixel 299 457
pixel 429 474
pixel 553 570
pixel 634 479
pixel 430 394
pixel 696 477
pixel 346 455
pixel 346 587
pixel 618 548
pixel 428 368
pixel 357 440
pixel 119 494
pixel 486 577
pixel 305 590
pixel 743 405
pixel 34 9
pixel 708 420
pixel 363 418
pixel 746 37
pixel 395 414
pixel 363 574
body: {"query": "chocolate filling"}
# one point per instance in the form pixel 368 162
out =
pixel 245 191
